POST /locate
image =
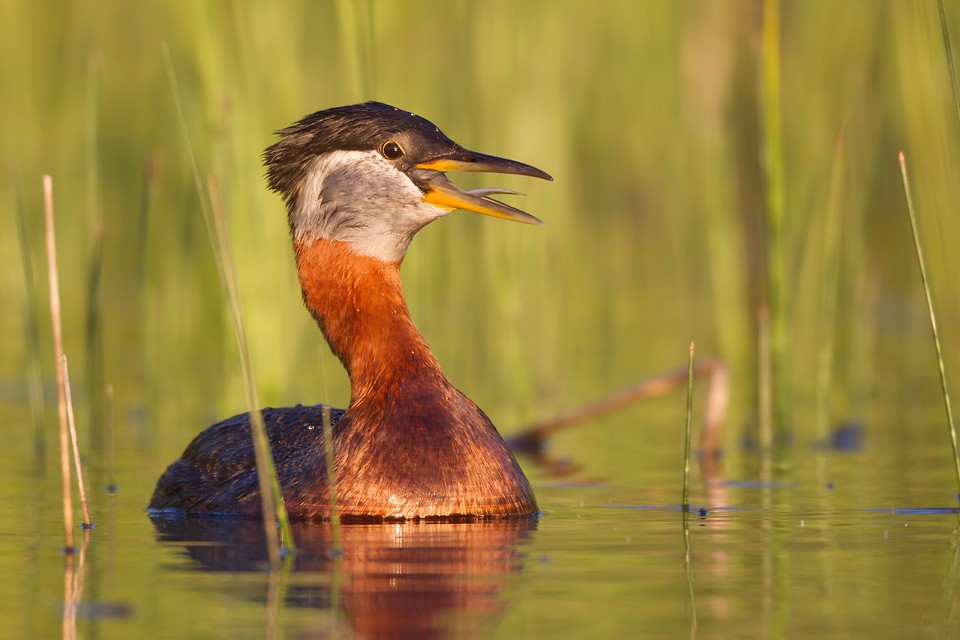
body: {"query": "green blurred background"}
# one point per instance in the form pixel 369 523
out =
pixel 648 114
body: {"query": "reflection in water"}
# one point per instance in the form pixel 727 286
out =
pixel 73 587
pixel 411 579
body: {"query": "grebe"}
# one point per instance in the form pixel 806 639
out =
pixel 358 182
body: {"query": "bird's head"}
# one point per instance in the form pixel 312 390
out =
pixel 373 175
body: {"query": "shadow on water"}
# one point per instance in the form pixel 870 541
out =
pixel 411 579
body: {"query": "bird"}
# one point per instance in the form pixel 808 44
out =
pixel 359 182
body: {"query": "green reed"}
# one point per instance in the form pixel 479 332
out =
pixel 773 162
pixel 830 280
pixel 31 324
pixel 685 503
pixel 948 54
pixel 955 91
pixel 270 493
pixel 933 319
pixel 94 320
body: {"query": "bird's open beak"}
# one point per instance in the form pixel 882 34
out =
pixel 440 192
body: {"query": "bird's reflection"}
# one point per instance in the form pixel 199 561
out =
pixel 410 579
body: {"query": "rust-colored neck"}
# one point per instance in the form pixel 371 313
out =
pixel 409 444
pixel 358 302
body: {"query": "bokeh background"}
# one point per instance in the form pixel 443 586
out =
pixel 649 115
pixel 655 121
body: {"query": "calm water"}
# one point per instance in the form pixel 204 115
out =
pixel 831 548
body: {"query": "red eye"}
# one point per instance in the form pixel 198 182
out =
pixel 391 150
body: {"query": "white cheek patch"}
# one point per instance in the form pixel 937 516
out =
pixel 361 198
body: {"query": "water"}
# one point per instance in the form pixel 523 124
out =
pixel 758 558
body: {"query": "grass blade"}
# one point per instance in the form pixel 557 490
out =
pixel 948 51
pixel 270 494
pixel 31 325
pixel 933 319
pixel 773 166
pixel 828 291
pixel 94 324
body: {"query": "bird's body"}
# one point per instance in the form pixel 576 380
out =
pixel 359 182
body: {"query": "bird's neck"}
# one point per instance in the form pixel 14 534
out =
pixel 358 302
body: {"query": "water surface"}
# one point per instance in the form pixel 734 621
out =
pixel 756 559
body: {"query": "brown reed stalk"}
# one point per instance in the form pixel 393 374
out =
pixel 685 504
pixel 111 444
pixel 55 316
pixel 71 422
pixel 714 370
pixel 74 576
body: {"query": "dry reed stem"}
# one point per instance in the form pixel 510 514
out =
pixel 71 422
pixel 111 444
pixel 55 316
pixel 73 580
pixel 714 370
pixel 689 430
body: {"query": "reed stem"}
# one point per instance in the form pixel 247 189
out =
pixel 31 325
pixel 828 290
pixel 74 578
pixel 764 392
pixel 685 504
pixel 531 437
pixel 55 316
pixel 94 325
pixel 71 422
pixel 331 477
pixel 270 494
pixel 111 443
pixel 774 171
pixel 688 572
pixel 933 319
pixel 948 50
